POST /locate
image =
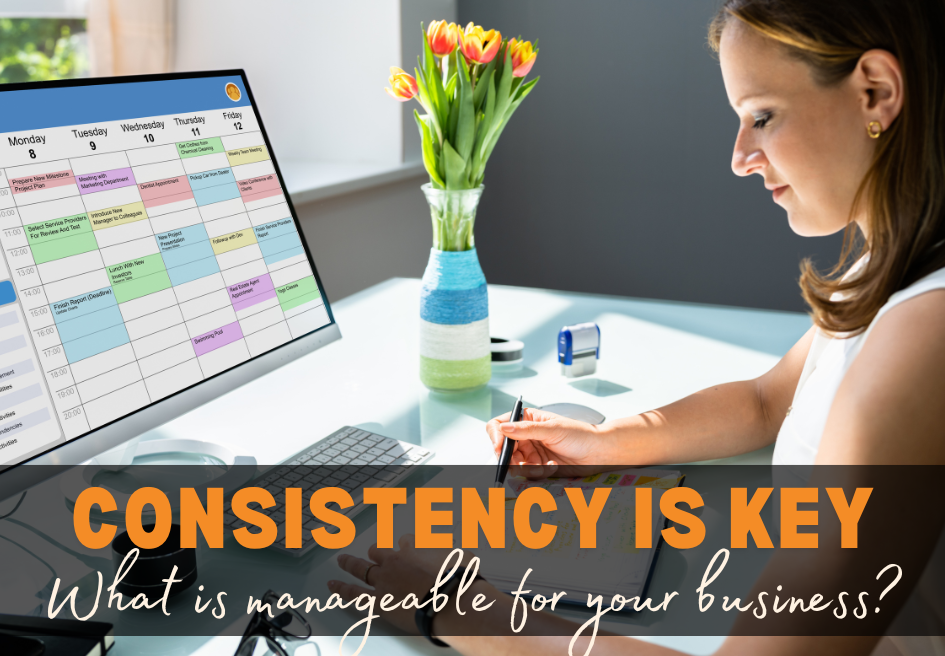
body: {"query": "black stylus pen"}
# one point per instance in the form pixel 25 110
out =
pixel 508 446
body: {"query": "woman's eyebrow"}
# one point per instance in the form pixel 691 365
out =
pixel 738 103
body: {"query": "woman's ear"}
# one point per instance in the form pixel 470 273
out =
pixel 878 78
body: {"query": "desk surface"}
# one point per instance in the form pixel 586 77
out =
pixel 652 353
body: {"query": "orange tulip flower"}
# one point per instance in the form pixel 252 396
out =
pixel 442 37
pixel 523 57
pixel 403 86
pixel 478 45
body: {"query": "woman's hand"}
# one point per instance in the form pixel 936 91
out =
pixel 547 444
pixel 396 572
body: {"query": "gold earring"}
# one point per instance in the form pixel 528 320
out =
pixel 874 129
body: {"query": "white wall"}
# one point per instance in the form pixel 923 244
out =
pixel 317 68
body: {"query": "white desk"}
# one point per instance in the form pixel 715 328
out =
pixel 651 353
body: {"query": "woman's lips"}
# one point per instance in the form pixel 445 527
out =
pixel 777 192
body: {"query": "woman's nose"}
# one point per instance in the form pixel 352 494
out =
pixel 747 158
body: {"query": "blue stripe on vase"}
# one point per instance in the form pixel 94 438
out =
pixel 453 270
pixel 454 306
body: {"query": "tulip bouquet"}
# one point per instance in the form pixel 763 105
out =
pixel 470 82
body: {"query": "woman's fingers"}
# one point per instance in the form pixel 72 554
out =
pixel 348 591
pixel 406 541
pixel 378 555
pixel 357 567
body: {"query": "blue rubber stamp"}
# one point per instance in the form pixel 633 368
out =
pixel 579 349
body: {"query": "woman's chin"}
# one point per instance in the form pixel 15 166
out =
pixel 806 226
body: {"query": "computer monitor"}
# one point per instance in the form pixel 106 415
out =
pixel 152 260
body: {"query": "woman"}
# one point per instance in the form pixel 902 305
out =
pixel 841 107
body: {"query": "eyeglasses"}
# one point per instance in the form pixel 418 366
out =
pixel 285 634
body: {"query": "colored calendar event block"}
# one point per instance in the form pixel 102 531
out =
pixel 261 187
pixel 296 293
pixel 116 216
pixel 232 241
pixel 207 179
pixel 53 240
pixel 249 155
pixel 250 292
pixel 89 324
pixel 138 277
pixel 281 248
pixel 187 254
pixel 214 339
pixel 198 147
pixel 216 194
pixel 162 192
pixel 41 181
pixel 116 179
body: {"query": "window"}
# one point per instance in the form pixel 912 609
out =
pixel 42 49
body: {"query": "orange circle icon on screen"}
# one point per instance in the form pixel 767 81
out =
pixel 233 91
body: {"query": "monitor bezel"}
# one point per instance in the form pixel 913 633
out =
pixel 16 477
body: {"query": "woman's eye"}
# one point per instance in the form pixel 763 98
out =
pixel 761 121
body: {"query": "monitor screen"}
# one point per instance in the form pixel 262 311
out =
pixel 148 245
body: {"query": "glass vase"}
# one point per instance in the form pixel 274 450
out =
pixel 454 305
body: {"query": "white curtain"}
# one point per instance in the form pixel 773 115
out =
pixel 131 37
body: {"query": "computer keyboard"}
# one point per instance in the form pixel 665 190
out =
pixel 349 458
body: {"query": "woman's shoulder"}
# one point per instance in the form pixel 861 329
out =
pixel 888 407
pixel 932 282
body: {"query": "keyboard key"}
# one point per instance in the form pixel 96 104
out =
pixel 324 471
pixel 359 448
pixel 398 450
pixel 304 484
pixel 320 459
pixel 315 479
pixel 360 477
pixel 292 476
pixel 340 460
pixel 375 452
pixel 385 476
pixel 349 484
pixel 348 469
pixel 341 473
pixel 350 430
pixel 229 519
pixel 385 459
pixel 331 482
pixel 283 471
pixel 416 456
pixel 333 452
pixel 360 461
pixel 283 482
pixel 360 435
pixel 349 441
pixel 370 471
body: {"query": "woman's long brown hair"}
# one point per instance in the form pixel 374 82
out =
pixel 903 192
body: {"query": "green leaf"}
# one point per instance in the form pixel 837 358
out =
pixel 451 86
pixel 466 121
pixel 523 93
pixel 424 94
pixel 485 125
pixel 429 157
pixel 485 76
pixel 455 168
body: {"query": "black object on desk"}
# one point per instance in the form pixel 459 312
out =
pixel 508 446
pixel 55 636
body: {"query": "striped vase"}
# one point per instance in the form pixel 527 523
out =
pixel 455 351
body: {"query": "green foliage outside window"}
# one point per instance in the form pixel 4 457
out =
pixel 42 49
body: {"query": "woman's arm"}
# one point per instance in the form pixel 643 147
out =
pixel 717 422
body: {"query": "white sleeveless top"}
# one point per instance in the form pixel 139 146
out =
pixel 826 365
pixel 799 439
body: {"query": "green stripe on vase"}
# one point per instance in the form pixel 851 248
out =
pixel 455 375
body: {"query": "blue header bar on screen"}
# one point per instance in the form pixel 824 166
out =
pixel 34 109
